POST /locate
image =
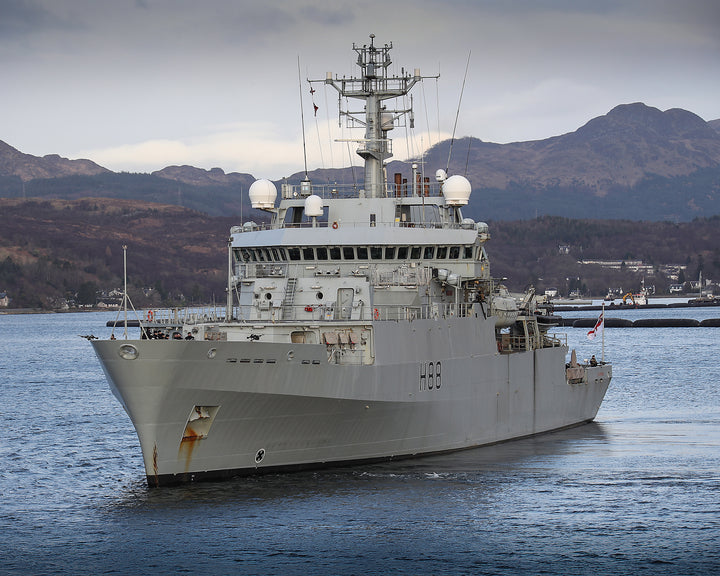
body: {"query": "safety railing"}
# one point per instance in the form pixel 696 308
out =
pixel 254 227
pixel 392 190
pixel 274 311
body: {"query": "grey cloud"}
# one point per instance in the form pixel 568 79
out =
pixel 337 15
pixel 22 17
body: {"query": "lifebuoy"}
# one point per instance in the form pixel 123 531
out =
pixel 376 314
pixel 334 225
pixel 150 315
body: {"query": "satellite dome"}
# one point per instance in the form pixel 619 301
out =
pixel 262 194
pixel 313 205
pixel 456 190
pixel 440 175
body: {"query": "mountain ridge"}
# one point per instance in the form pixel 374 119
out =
pixel 28 167
pixel 634 162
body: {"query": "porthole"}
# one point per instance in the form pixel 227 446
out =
pixel 268 296
pixel 319 295
pixel 128 352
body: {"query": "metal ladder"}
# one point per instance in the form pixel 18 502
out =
pixel 287 307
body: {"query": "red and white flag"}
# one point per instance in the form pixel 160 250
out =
pixel 598 327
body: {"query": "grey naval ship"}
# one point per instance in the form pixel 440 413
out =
pixel 362 324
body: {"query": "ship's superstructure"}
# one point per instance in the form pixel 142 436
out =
pixel 361 323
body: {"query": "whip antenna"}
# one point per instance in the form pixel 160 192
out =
pixel 302 119
pixel 452 140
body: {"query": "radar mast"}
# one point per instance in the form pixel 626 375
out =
pixel 375 85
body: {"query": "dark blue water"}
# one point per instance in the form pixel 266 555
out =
pixel 637 492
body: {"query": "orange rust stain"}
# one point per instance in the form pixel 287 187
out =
pixel 187 445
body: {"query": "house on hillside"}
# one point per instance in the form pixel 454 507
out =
pixel 4 300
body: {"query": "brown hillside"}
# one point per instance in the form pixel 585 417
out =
pixel 51 249
pixel 61 244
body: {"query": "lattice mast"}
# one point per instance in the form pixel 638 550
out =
pixel 375 85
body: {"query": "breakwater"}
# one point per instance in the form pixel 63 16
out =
pixel 640 323
pixel 650 306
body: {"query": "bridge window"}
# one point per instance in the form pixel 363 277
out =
pixel 348 253
pixel 468 253
pixel 322 253
pixel 294 253
pixel 362 252
pixel 390 253
pixel 442 252
pixel 418 214
pixel 308 254
pixel 376 252
pixel 454 252
pixel 402 252
pixel 429 252
pixel 415 253
pixel 334 253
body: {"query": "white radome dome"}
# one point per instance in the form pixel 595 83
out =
pixel 456 190
pixel 262 194
pixel 313 205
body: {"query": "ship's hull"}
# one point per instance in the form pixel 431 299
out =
pixel 262 407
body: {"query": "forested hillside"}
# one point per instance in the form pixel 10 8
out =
pixel 545 252
pixel 57 251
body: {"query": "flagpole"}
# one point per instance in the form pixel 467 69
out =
pixel 602 356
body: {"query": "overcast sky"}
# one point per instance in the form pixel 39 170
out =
pixel 137 85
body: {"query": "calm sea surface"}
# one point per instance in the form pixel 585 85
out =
pixel 637 492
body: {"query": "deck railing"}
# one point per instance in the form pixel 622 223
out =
pixel 270 311
pixel 255 226
pixel 332 191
